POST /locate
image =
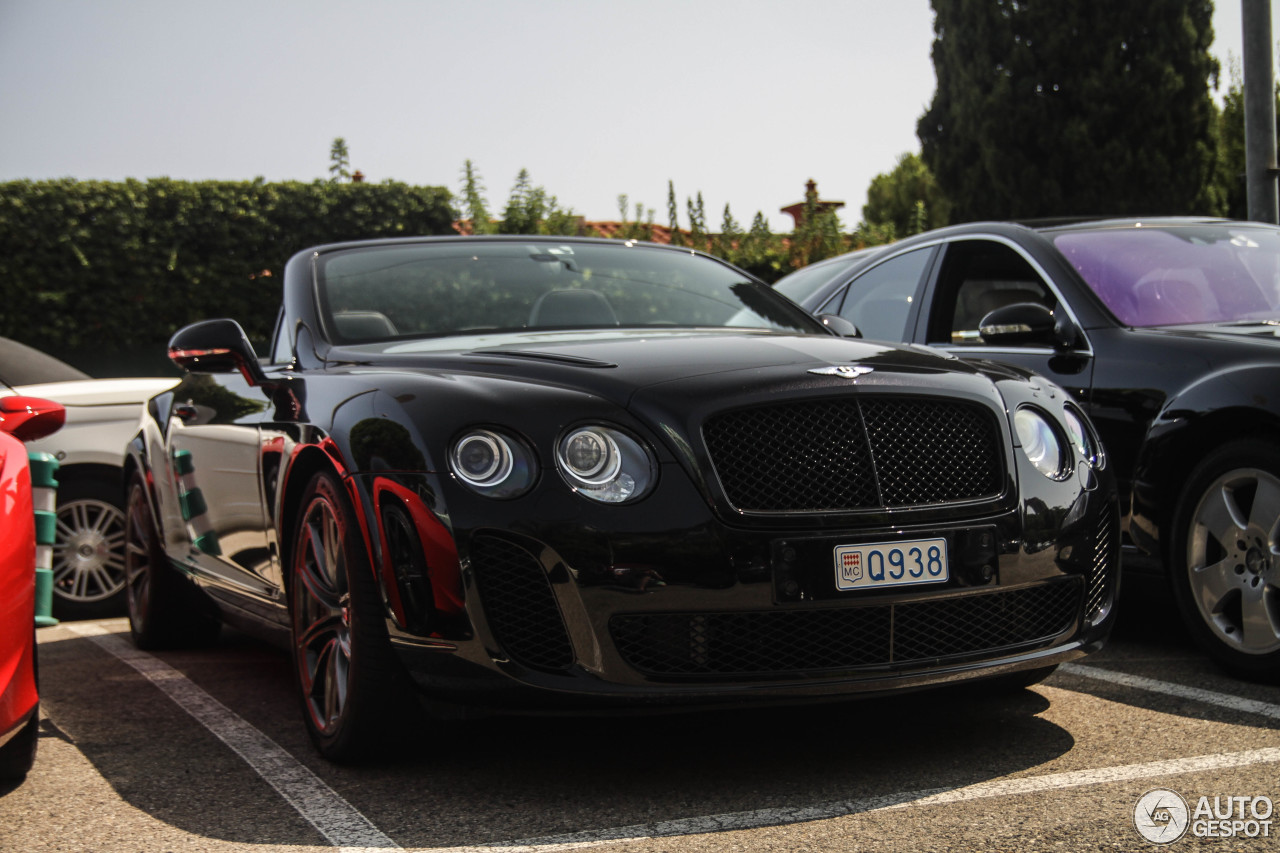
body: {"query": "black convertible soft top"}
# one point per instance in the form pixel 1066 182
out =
pixel 23 365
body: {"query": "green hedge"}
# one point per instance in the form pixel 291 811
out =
pixel 108 270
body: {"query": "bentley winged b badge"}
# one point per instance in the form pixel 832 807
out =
pixel 848 371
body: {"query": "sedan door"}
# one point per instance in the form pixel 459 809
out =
pixel 980 274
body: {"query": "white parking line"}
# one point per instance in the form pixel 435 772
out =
pixel 345 827
pixel 908 799
pixel 934 796
pixel 332 816
pixel 1168 688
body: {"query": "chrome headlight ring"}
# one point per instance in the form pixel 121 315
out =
pixel 605 464
pixel 1042 442
pixel 492 463
pixel 1084 439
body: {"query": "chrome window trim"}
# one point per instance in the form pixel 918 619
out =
pixel 1085 350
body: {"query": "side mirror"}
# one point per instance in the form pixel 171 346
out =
pixel 29 418
pixel 216 346
pixel 1027 323
pixel 839 325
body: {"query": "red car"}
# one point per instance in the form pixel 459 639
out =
pixel 21 419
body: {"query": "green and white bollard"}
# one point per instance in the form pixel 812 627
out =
pixel 192 503
pixel 44 495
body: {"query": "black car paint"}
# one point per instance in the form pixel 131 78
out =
pixel 382 418
pixel 1159 397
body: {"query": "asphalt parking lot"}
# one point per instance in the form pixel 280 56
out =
pixel 203 750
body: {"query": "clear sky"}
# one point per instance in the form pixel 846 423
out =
pixel 743 100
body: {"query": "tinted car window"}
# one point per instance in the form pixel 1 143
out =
pixel 979 276
pixel 1162 276
pixel 879 301
pixel 22 365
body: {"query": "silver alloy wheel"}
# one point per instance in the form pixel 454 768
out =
pixel 322 619
pixel 1233 560
pixel 88 552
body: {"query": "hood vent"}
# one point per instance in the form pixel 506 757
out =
pixel 558 358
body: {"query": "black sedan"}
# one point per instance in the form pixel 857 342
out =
pixel 529 473
pixel 1167 332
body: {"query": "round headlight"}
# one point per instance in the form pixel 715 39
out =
pixel 482 458
pixel 492 464
pixel 1082 437
pixel 1040 443
pixel 605 464
pixel 591 456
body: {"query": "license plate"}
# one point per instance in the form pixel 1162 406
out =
pixel 886 564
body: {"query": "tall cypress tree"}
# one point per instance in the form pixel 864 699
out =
pixel 339 161
pixel 474 208
pixel 673 219
pixel 525 207
pixel 1049 108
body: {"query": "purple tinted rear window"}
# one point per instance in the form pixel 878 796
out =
pixel 1171 275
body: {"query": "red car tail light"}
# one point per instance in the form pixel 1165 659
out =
pixel 29 418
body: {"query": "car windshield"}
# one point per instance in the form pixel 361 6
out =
pixel 1180 274
pixel 370 293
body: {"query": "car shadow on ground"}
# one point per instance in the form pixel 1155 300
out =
pixel 559 775
pixel 452 783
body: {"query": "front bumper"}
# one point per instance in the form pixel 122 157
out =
pixel 581 608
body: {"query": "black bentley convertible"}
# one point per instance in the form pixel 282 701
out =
pixel 533 473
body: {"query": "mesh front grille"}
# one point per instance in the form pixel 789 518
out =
pixel 934 629
pixel 928 451
pixel 1105 544
pixel 519 604
pixel 763 643
pixel 834 455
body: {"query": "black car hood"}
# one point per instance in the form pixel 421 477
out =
pixel 1263 332
pixel 616 365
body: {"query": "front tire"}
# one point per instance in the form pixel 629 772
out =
pixel 1225 557
pixel 346 673
pixel 164 611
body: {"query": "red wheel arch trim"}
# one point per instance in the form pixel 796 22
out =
pixel 439 551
